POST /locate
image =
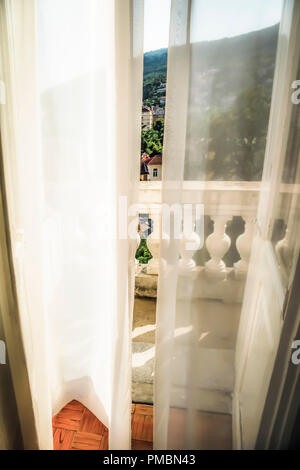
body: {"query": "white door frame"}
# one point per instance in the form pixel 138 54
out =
pixel 12 330
pixel 283 397
pixel 280 115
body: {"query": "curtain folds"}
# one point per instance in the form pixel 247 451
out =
pixel 221 62
pixel 172 185
pixel 74 74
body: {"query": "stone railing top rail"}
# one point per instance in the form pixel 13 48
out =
pixel 227 197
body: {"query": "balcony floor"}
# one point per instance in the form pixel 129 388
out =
pixel 217 325
pixel 76 428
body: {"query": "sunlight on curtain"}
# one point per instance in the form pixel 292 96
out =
pixel 221 64
pixel 84 137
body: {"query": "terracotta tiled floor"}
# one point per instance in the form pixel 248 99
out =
pixel 75 427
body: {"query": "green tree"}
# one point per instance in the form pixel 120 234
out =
pixel 152 139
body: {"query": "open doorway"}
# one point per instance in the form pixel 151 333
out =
pixel 231 80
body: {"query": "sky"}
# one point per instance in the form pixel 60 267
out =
pixel 64 55
pixel 156 24
pixel 211 19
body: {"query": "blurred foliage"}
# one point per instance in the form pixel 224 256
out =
pixel 229 145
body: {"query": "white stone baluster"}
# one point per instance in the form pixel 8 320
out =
pixel 153 263
pixel 283 250
pixel 243 245
pixel 284 247
pixel 137 244
pixel 217 244
pixel 189 244
pixel 153 240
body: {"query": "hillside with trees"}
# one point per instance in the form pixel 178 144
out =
pixel 155 73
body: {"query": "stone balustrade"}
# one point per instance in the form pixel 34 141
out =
pixel 222 201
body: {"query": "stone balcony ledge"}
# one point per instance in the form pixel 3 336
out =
pixel 225 197
pixel 194 286
pixel 146 284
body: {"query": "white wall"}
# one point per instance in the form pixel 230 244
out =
pixel 155 178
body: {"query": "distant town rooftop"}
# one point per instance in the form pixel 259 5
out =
pixel 156 160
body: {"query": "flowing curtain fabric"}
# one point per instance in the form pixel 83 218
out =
pixel 75 73
pixel 218 99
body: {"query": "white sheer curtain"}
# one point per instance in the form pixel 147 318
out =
pixel 219 84
pixel 174 144
pixel 73 70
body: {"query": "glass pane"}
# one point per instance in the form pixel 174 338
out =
pixel 232 65
pixel 285 230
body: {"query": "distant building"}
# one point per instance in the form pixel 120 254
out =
pixel 147 118
pixel 158 113
pixel 162 88
pixel 144 172
pixel 154 166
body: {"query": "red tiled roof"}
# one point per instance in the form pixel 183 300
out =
pixel 156 160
